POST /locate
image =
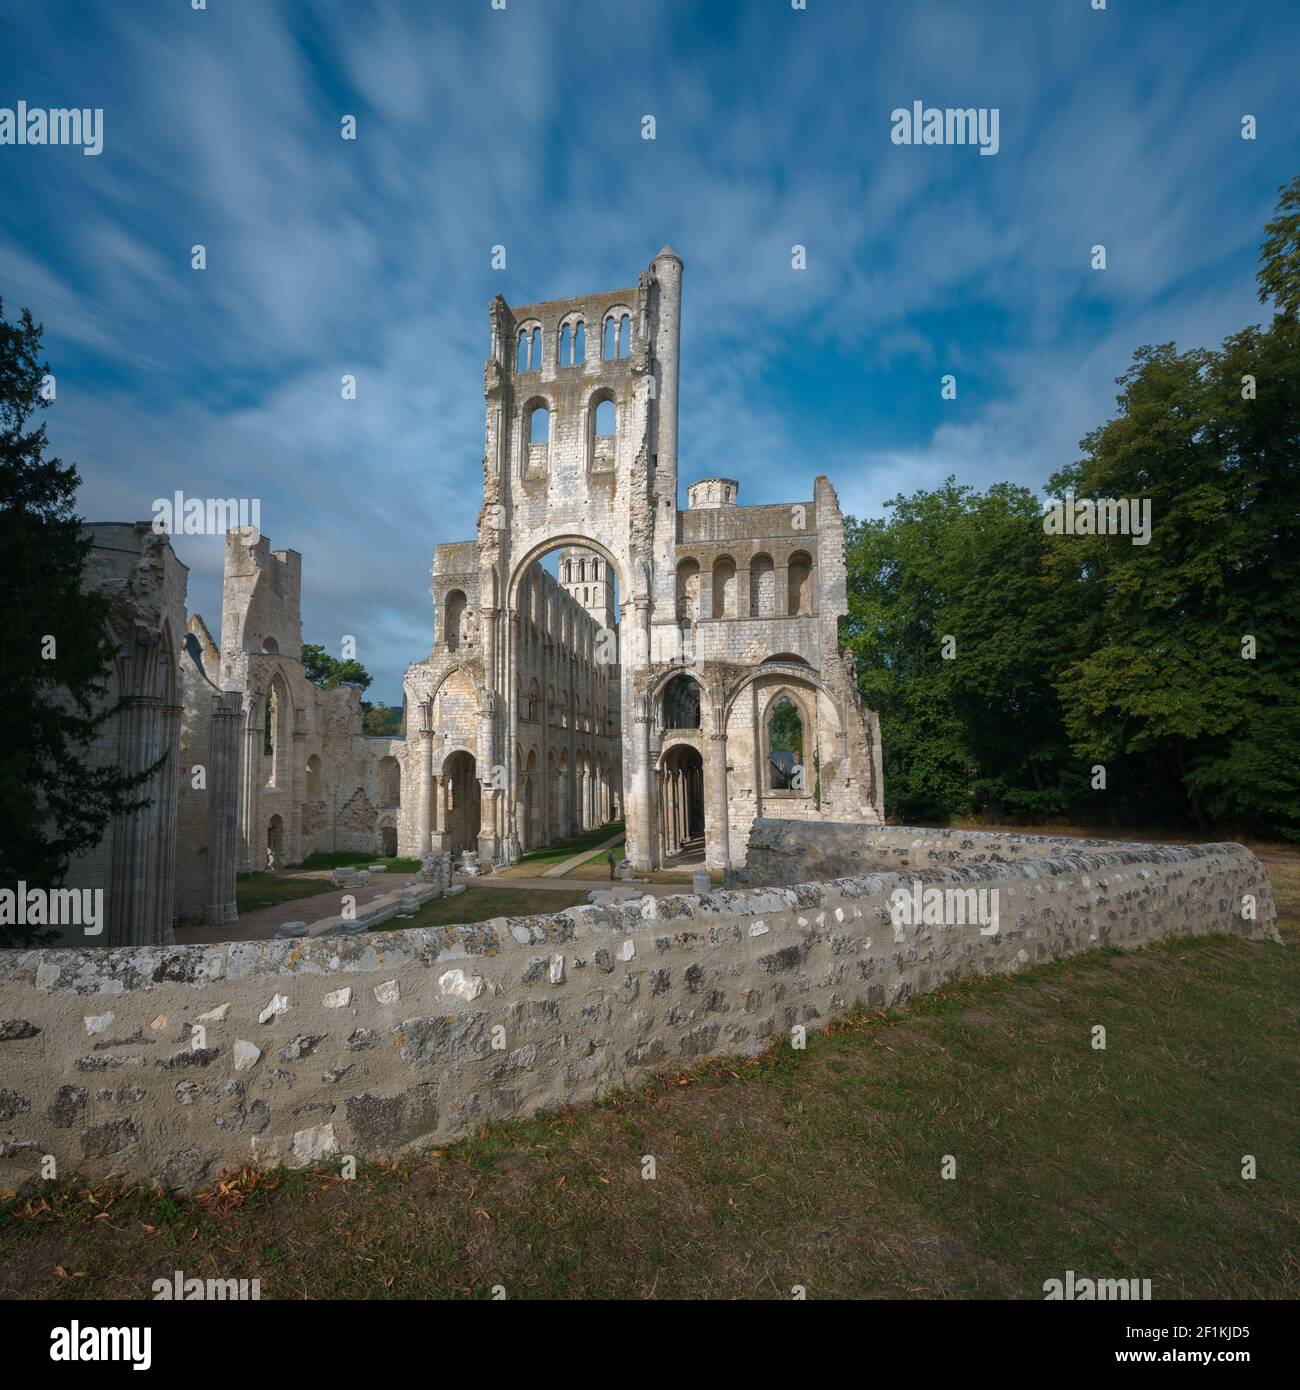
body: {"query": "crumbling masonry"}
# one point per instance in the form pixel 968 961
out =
pixel 714 690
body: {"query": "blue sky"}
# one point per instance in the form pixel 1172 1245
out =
pixel 523 127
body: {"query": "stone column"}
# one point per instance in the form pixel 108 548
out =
pixel 168 793
pixel 639 797
pixel 223 809
pixel 250 777
pixel 717 850
pixel 293 849
pixel 133 887
pixel 439 834
pixel 424 787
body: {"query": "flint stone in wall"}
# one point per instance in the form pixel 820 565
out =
pixel 700 1040
pixel 461 986
pixel 12 1105
pixel 389 1121
pixel 103 1062
pixel 311 1145
pixel 124 1095
pixel 646 1053
pixel 302 1046
pixel 279 1003
pixel 361 1039
pixel 99 1141
pixel 10 1147
pixel 185 1170
pixel 68 1107
pixel 439 1038
pixel 12 1029
pixel 188 1057
pixel 785 960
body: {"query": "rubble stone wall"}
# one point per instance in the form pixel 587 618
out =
pixel 184 1061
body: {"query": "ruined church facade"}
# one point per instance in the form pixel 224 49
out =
pixel 696 649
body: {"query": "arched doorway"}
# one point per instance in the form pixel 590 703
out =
pixel 458 812
pixel 275 842
pixel 564 691
pixel 681 805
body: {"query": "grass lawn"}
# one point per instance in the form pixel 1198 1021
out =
pixel 539 860
pixel 345 859
pixel 478 904
pixel 253 892
pixel 598 865
pixel 819 1167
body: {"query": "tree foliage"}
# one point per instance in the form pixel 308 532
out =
pixel 1174 665
pixel 329 672
pixel 56 800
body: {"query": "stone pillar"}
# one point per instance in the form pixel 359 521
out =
pixel 250 777
pixel 293 848
pixel 439 833
pixel 133 887
pixel 168 793
pixel 223 809
pixel 424 786
pixel 717 848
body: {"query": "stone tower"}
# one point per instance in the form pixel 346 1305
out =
pixel 589 579
pixel 726 694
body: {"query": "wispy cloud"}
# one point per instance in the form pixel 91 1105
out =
pixel 522 127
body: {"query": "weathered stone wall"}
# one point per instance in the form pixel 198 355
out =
pixel 187 1060
pixel 786 851
pixel 134 862
pixel 714 591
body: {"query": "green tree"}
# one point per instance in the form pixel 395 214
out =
pixel 381 721
pixel 1279 273
pixel 329 672
pixel 54 804
pixel 1162 674
pixel 978 729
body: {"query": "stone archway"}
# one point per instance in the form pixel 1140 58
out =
pixel 275 842
pixel 563 668
pixel 459 806
pixel 681 804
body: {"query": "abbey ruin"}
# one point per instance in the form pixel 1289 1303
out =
pixel 647 676
pixel 599 653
